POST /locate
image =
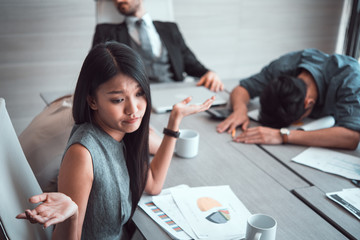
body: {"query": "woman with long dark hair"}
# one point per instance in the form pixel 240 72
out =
pixel 105 167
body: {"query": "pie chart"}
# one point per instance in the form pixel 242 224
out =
pixel 220 216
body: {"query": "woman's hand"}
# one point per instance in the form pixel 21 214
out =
pixel 183 109
pixel 161 161
pixel 55 208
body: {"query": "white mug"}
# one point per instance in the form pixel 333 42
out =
pixel 187 145
pixel 260 227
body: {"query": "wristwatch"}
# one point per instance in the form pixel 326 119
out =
pixel 171 133
pixel 284 132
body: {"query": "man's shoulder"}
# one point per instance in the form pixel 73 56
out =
pixel 165 24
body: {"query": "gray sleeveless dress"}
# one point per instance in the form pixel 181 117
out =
pixel 109 205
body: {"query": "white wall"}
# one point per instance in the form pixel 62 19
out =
pixel 42 44
pixel 237 37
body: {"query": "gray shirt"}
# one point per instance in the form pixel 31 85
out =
pixel 109 205
pixel 337 78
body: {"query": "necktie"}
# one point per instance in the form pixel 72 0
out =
pixel 144 38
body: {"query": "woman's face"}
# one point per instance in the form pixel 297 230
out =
pixel 119 105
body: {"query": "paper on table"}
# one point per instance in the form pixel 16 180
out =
pixel 349 199
pixel 330 161
pixel 254 114
pixel 167 204
pixel 212 212
pixel 161 218
pixel 308 124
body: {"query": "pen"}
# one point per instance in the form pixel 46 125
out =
pixel 233 133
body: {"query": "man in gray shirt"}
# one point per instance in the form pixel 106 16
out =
pixel 294 86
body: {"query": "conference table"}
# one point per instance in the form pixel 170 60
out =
pixel 264 179
pixel 320 184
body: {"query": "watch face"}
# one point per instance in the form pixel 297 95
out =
pixel 284 131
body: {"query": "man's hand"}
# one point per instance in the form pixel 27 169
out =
pixel 260 135
pixel 232 121
pixel 239 98
pixel 211 81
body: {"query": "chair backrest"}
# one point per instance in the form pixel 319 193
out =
pixel 159 10
pixel 17 184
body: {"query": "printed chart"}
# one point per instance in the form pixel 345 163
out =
pixel 198 213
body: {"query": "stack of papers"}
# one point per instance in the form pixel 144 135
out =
pixel 198 213
pixel 330 161
pixel 349 199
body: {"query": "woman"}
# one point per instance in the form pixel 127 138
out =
pixel 106 168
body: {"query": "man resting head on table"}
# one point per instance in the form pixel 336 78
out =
pixel 294 86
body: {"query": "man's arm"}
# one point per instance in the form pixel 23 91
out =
pixel 181 57
pixel 239 98
pixel 334 137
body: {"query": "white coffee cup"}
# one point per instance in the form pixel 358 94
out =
pixel 187 145
pixel 260 227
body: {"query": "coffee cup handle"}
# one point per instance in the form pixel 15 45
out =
pixel 257 236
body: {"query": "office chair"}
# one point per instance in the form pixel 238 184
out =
pixel 17 184
pixel 161 10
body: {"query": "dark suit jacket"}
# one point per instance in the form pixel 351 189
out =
pixel 181 57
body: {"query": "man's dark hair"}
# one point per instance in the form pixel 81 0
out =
pixel 282 101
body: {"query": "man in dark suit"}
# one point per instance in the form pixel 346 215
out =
pixel 169 57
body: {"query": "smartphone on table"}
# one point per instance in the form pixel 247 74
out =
pixel 219 113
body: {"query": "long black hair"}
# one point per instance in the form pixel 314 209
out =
pixel 102 63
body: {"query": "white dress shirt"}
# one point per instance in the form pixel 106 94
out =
pixel 150 29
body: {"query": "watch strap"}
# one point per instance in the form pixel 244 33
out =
pixel 171 133
pixel 284 132
pixel 285 138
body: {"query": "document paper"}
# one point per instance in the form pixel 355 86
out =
pixel 330 161
pixel 349 199
pixel 307 124
pixel 212 213
pixel 161 218
pixel 167 204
